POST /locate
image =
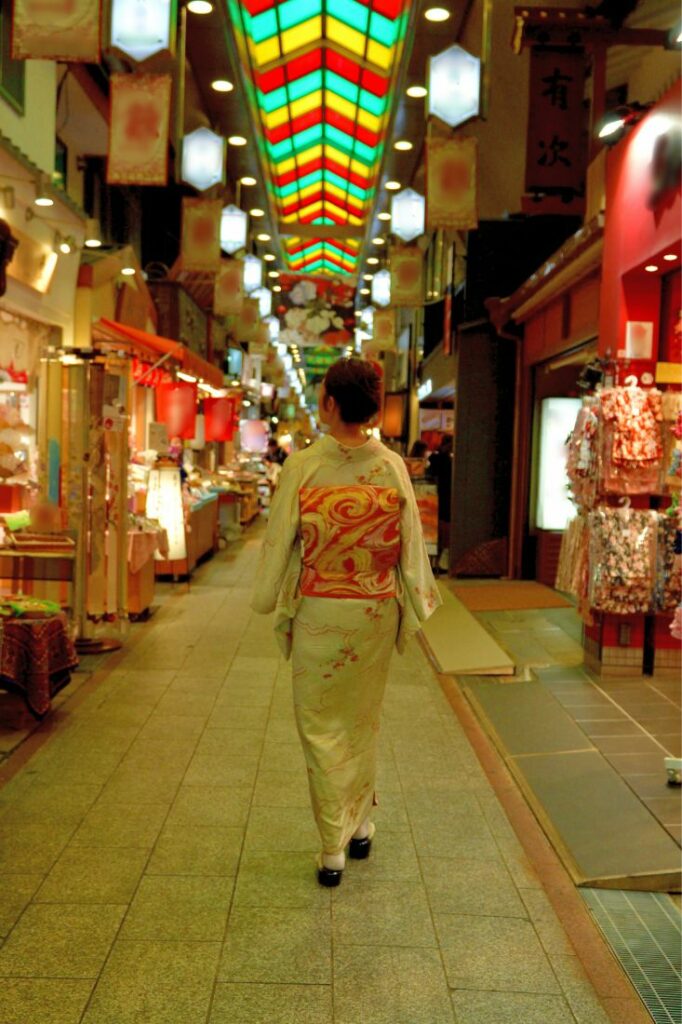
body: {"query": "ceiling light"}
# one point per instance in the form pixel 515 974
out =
pixel 384 216
pixel 263 237
pixel 651 268
pixel 364 291
pixel 670 256
pixel 379 240
pixel 222 85
pixel 256 212
pixel 372 260
pixel 128 271
pixel 276 287
pixel 417 92
pixel 436 14
pixel 42 198
pixel 92 234
pixel 247 180
pixel 612 124
pixel 269 257
pixel 358 313
pixel 392 186
pixel 237 140
pixel 199 7
pixel 367 277
pixel 403 145
pixel 273 273
pixel 65 248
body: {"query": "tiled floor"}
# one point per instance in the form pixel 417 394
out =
pixel 156 854
pixel 635 723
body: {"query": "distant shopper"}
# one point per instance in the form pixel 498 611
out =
pixel 345 570
pixel 440 468
pixel 419 450
pixel 275 452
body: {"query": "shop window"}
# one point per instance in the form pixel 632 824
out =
pixel 12 72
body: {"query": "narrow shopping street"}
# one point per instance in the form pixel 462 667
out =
pixel 157 852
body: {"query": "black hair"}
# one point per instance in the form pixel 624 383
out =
pixel 355 385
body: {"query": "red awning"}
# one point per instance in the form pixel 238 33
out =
pixel 188 360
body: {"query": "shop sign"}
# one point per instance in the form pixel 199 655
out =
pixel 138 129
pixel 146 375
pixel 200 250
pixel 454 86
pixel 203 159
pixel 407 214
pixel 228 296
pixel 384 328
pixel 556 152
pixel 406 263
pixel 67 30
pixel 142 28
pixel 176 406
pixel 451 183
pixel 381 288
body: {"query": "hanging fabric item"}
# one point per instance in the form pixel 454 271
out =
pixel 139 129
pixel 573 568
pixel 632 447
pixel 200 249
pixel 219 419
pixel 176 406
pixel 668 589
pixel 67 30
pixel 228 295
pixel 671 411
pixel 582 458
pixel 622 559
pixel 406 264
pixel 451 183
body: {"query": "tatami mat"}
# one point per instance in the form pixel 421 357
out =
pixel 460 645
pixel 505 595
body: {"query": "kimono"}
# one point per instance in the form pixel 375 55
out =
pixel 345 569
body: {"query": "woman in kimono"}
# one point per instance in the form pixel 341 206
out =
pixel 345 570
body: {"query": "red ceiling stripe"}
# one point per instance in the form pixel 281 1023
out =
pixel 345 124
pixel 258 6
pixel 299 124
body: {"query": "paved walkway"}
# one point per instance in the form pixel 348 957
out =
pixel 156 854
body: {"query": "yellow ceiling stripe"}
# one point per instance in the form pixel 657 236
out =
pixel 380 55
pixel 300 35
pixel 345 36
pixel 306 103
pixel 266 51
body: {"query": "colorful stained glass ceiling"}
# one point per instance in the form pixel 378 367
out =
pixel 321 77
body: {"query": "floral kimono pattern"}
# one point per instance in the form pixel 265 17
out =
pixel 345 570
pixel 622 559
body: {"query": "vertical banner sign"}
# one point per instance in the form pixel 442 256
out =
pixel 406 263
pixel 451 183
pixel 138 129
pixel 556 153
pixel 384 328
pixel 67 30
pixel 200 248
pixel 228 296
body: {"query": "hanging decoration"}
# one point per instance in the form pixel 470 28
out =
pixel 264 297
pixel 406 263
pixel 452 183
pixel 407 214
pixel 176 406
pixel 68 30
pixel 244 327
pixel 219 416
pixel 143 28
pixel 228 296
pixel 234 226
pixel 253 274
pixel 381 288
pixel 200 250
pixel 454 84
pixel 384 328
pixel 203 159
pixel 138 129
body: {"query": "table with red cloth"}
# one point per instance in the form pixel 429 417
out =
pixel 37 657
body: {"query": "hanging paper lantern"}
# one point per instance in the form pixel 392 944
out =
pixel 203 158
pixel 141 28
pixel 234 225
pixel 454 86
pixel 253 274
pixel 264 296
pixel 176 406
pixel 407 214
pixel 381 288
pixel 274 328
pixel 219 418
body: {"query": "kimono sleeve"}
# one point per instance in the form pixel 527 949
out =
pixel 419 596
pixel 279 542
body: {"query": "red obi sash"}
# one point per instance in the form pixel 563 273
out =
pixel 350 541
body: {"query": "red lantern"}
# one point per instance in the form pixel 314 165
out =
pixel 176 406
pixel 219 419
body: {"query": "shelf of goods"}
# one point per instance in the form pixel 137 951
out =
pixel 620 554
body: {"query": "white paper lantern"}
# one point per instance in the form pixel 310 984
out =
pixel 253 274
pixel 234 224
pixel 274 328
pixel 203 158
pixel 454 86
pixel 264 296
pixel 141 28
pixel 381 288
pixel 408 210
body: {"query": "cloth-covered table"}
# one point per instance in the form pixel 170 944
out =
pixel 37 657
pixel 143 545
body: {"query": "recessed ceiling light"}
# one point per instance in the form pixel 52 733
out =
pixel 236 140
pixel 127 271
pixel 199 7
pixel 358 312
pixel 256 212
pixel 269 257
pixel 379 240
pixel 222 85
pixel 436 14
pixel 651 268
pixel 364 291
pixel 247 180
pixel 43 201
pixel 670 256
pixel 263 237
pixel 372 260
pixel 392 186
pixel 417 92
pixel 384 216
pixel 273 273
pixel 276 287
pixel 403 145
pixel 367 277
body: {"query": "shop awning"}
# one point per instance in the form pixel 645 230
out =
pixel 111 330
